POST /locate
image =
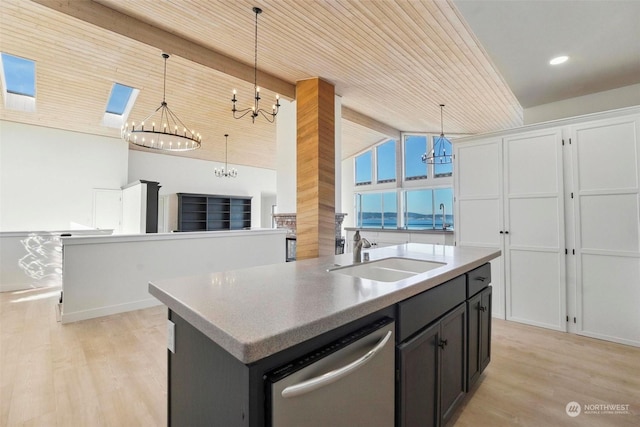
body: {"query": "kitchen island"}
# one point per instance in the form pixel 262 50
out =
pixel 228 329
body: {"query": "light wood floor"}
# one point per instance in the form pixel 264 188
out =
pixel 112 371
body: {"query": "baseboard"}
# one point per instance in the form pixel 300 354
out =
pixel 107 311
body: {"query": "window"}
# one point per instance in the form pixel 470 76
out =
pixel 119 105
pixel 18 77
pixel 444 148
pixel 430 208
pixel 386 162
pixel 411 201
pixel 119 99
pixel 414 147
pixel 377 210
pixel 443 217
pixel 418 212
pixel 363 168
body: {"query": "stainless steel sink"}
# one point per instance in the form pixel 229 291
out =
pixel 388 269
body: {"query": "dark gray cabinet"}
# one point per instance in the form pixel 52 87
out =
pixel 431 355
pixel 208 212
pixel 418 370
pixel 453 362
pixel 479 327
pixel 432 372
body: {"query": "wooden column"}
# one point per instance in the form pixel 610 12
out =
pixel 315 204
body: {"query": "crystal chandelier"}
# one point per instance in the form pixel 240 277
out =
pixel 439 155
pixel 255 110
pixel 225 171
pixel 162 129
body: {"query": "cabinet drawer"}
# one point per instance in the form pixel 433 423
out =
pixel 478 279
pixel 422 309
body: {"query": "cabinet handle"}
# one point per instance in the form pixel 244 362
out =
pixel 332 376
pixel 501 232
pixel 482 279
pixel 506 232
pixel 481 308
pixel 442 343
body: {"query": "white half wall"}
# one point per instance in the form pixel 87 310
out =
pixel 48 176
pixel 110 274
pixel 627 96
pixel 185 175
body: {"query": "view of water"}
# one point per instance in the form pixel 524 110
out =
pixel 414 223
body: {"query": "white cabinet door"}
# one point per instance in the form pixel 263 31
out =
pixel 534 229
pixel 478 189
pixel 606 166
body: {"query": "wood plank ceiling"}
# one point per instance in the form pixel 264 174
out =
pixel 391 62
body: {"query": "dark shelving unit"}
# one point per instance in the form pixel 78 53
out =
pixel 208 212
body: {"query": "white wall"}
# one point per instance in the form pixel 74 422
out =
pixel 286 157
pixel 47 176
pixel 627 96
pixel 347 192
pixel 185 175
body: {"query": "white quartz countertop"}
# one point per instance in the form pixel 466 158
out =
pixel 256 312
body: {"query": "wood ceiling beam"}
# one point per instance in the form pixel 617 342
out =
pixel 125 25
pixel 368 122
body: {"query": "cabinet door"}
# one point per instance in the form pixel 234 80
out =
pixel 453 328
pixel 534 229
pixel 418 391
pixel 606 171
pixel 479 205
pixel 473 331
pixel 485 329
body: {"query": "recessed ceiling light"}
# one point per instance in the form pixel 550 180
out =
pixel 559 60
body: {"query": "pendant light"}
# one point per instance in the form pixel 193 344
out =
pixel 225 171
pixel 438 154
pixel 162 130
pixel 255 110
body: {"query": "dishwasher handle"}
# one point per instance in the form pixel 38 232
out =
pixel 332 376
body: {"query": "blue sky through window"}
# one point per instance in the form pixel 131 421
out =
pixel 386 159
pixel 119 99
pixel 414 147
pixel 363 168
pixel 19 74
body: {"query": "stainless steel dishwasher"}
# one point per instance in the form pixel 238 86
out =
pixel 349 382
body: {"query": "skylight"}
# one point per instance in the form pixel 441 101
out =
pixel 119 105
pixel 18 77
pixel 119 99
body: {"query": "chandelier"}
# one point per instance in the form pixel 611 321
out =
pixel 162 129
pixel 225 171
pixel 255 110
pixel 439 155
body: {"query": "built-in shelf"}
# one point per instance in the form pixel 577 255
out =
pixel 208 212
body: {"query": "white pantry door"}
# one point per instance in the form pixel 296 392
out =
pixel 606 167
pixel 534 229
pixel 478 188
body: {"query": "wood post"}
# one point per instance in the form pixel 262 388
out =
pixel 315 204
